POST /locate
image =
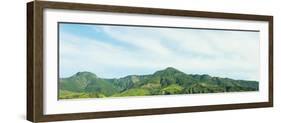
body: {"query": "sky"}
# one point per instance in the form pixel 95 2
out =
pixel 112 51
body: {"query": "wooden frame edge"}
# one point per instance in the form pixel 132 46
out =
pixel 30 84
pixel 271 60
pixel 153 11
pixel 35 60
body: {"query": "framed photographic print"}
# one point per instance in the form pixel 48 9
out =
pixel 96 61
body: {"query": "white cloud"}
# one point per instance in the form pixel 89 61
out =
pixel 140 38
pixel 231 54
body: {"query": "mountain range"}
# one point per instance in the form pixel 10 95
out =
pixel 164 82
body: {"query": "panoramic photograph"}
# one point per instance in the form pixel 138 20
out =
pixel 106 61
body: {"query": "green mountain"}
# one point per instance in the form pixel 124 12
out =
pixel 164 82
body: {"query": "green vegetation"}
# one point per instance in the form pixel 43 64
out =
pixel 165 82
pixel 172 89
pixel 133 92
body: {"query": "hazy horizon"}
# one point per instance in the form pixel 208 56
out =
pixel 149 74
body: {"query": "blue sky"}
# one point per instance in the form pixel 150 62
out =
pixel 117 51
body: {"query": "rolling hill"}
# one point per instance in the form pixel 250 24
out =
pixel 164 82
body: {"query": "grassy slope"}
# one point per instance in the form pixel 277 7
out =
pixel 164 82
